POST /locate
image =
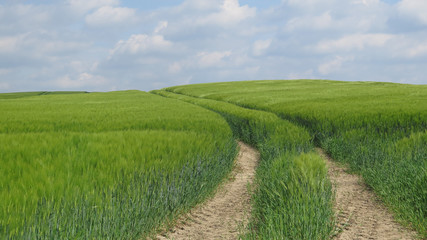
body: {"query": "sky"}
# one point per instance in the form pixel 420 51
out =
pixel 107 45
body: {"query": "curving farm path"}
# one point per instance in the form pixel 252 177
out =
pixel 359 214
pixel 227 213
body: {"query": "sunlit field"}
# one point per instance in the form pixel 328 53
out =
pixel 379 129
pixel 293 196
pixel 124 165
pixel 105 165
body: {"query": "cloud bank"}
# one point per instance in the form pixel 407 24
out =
pixel 102 45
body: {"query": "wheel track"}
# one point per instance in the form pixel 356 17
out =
pixel 359 213
pixel 223 216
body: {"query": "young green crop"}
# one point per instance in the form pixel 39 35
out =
pixel 293 196
pixel 293 200
pixel 365 124
pixel 105 165
pixel 116 165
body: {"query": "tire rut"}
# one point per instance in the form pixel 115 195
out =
pixel 223 216
pixel 359 213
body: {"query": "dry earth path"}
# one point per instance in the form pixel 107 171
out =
pixel 360 215
pixel 226 214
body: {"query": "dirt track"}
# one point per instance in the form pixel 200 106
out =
pixel 223 216
pixel 360 215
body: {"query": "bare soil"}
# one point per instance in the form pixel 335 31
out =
pixel 227 213
pixel 359 213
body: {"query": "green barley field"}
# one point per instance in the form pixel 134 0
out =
pixel 120 165
pixel 379 129
pixel 105 165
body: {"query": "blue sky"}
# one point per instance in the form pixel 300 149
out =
pixel 104 45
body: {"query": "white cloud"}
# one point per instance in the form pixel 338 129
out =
pixel 140 43
pixel 333 65
pixel 80 42
pixel 201 5
pixel 81 81
pixel 4 71
pixel 84 6
pixel 251 71
pixel 230 13
pixel 418 50
pixel 320 22
pixel 310 5
pixel 175 67
pixel 367 2
pixel 39 44
pixel 33 13
pixel 335 15
pixel 261 46
pixel 407 47
pixel 161 26
pixel 78 66
pixel 107 15
pixel 414 9
pixel 94 66
pixel 354 42
pixel 209 59
pixel 54 47
pixel 8 44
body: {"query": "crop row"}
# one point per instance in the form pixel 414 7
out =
pixel 293 196
pixel 379 129
pixel 105 165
